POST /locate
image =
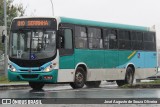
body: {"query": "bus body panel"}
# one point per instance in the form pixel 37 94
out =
pixel 92 58
pixel 125 56
pixel 66 62
pixel 33 76
pixel 66 75
pixel 150 59
pixel 143 68
pixel 111 59
pixel 66 68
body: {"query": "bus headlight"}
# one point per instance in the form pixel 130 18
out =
pixel 12 68
pixel 50 67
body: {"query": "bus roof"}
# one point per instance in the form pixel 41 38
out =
pixel 102 24
pixel 95 23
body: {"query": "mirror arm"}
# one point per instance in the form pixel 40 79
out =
pixel 3 37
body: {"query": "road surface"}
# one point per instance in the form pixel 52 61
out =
pixel 105 91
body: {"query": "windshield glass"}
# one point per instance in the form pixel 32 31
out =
pixel 32 44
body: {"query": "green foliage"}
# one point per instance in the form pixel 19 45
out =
pixel 12 11
pixel 3 79
pixel 151 84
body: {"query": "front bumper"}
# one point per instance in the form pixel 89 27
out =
pixel 34 76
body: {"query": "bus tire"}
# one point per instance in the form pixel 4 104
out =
pixel 129 77
pixel 36 85
pixel 79 79
pixel 93 84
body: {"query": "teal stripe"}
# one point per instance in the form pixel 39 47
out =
pixel 102 24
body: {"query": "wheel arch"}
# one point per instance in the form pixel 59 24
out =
pixel 132 66
pixel 84 66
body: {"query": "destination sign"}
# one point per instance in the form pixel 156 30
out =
pixel 33 23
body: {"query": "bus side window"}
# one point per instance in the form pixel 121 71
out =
pixel 112 34
pixel 105 39
pixel 81 37
pixel 66 39
pixel 124 39
pixel 95 38
pixel 66 42
pixel 149 41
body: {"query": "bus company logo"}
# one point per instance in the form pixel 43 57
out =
pixel 6 101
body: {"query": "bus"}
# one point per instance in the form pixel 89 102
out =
pixel 50 50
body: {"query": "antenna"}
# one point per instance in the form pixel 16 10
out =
pixel 52 7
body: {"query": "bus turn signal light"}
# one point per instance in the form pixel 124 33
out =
pixel 48 77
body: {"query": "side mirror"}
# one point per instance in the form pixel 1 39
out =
pixel 59 37
pixel 3 37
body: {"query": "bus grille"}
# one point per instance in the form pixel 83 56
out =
pixel 24 70
pixel 29 75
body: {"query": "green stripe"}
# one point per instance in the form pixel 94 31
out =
pixel 96 58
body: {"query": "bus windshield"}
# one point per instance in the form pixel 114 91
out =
pixel 32 44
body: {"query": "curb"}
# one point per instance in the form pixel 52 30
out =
pixel 146 86
pixel 24 86
pixel 13 86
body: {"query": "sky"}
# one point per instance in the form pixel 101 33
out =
pixel 133 12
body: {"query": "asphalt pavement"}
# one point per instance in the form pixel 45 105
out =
pixel 26 85
pixel 107 90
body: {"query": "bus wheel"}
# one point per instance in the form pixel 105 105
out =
pixel 128 78
pixel 79 78
pixel 36 85
pixel 93 84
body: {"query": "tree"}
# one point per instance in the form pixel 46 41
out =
pixel 12 11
